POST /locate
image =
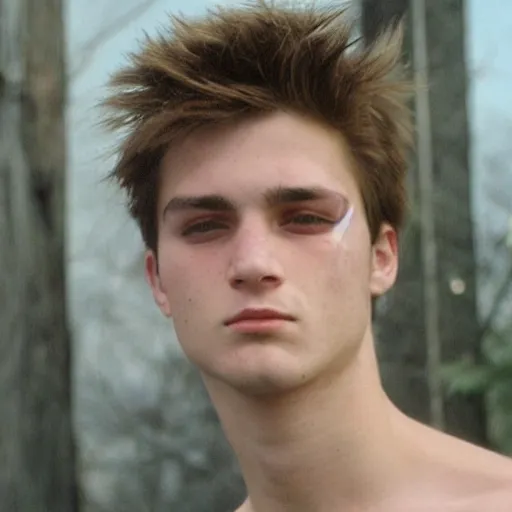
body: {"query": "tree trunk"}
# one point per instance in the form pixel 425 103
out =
pixel 430 317
pixel 37 455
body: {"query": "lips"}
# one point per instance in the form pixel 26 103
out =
pixel 258 314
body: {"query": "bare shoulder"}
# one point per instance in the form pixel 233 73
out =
pixel 492 481
pixel 498 470
pixel 482 462
pixel 498 500
pixel 463 455
pixel 474 477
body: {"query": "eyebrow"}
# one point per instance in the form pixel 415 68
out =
pixel 282 195
pixel 273 197
pixel 210 202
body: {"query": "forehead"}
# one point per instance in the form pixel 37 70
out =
pixel 244 160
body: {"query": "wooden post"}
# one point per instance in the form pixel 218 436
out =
pixel 431 315
pixel 37 454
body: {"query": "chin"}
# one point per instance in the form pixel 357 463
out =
pixel 266 373
pixel 265 384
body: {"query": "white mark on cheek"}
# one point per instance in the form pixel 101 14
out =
pixel 340 251
pixel 341 227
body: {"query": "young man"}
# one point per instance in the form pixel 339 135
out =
pixel 265 163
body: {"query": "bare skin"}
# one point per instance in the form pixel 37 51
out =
pixel 417 470
pixel 300 401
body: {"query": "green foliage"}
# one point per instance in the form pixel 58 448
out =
pixel 492 377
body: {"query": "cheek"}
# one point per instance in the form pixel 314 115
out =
pixel 183 293
pixel 177 280
pixel 343 272
pixel 343 290
pixel 189 283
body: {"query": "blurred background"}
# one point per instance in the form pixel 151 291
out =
pixel 99 409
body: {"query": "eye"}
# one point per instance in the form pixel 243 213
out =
pixel 203 227
pixel 307 223
pixel 308 219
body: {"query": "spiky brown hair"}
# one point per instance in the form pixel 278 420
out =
pixel 260 58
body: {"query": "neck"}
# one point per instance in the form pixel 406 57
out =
pixel 323 447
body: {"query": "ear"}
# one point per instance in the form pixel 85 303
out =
pixel 384 265
pixel 155 283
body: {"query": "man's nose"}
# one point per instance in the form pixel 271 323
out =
pixel 254 264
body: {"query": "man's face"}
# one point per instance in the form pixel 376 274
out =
pixel 248 223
